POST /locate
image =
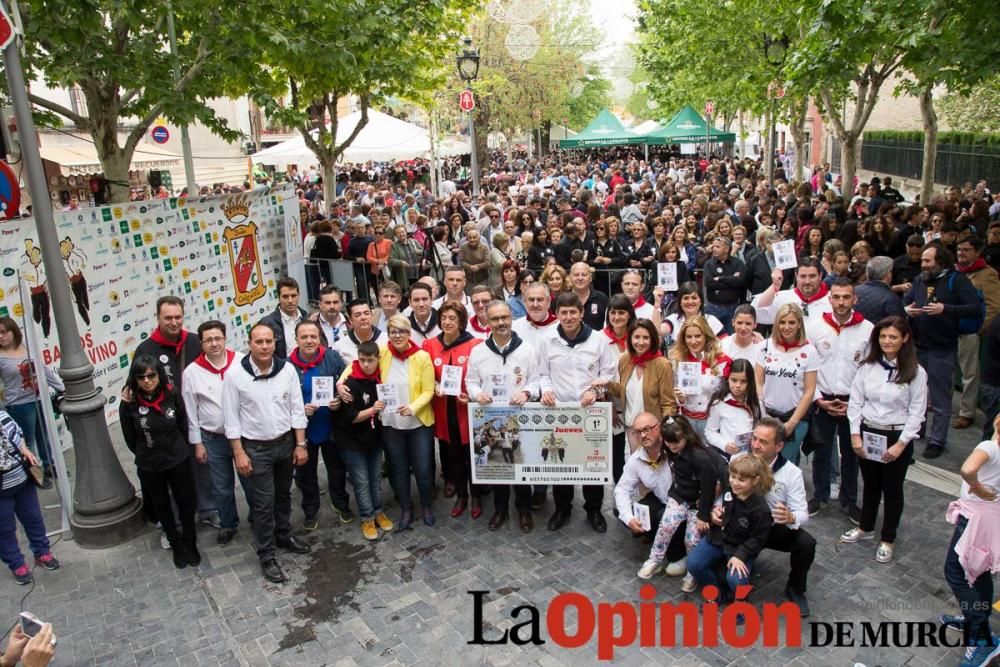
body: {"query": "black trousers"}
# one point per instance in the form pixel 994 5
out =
pixel 884 482
pixel 802 547
pixel 522 497
pixel 618 455
pixel 41 312
pixel 593 497
pixel 307 478
pixel 157 487
pixel 456 460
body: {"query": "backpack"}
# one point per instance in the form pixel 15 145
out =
pixel 970 325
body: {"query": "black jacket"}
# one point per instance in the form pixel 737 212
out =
pixel 695 471
pixel 364 435
pixel 725 282
pixel 167 354
pixel 273 320
pixel 940 332
pixel 876 300
pixel 903 270
pixel 745 527
pixel 158 438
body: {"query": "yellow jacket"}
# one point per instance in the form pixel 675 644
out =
pixel 421 376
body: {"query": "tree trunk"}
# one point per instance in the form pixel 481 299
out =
pixel 848 164
pixel 930 120
pixel 329 182
pixel 798 129
pixel 116 166
pixel 743 136
pixel 546 136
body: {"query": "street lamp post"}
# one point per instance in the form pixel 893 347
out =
pixel 775 49
pixel 468 69
pixel 105 509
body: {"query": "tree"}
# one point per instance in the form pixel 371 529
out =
pixel 975 111
pixel 324 51
pixel 115 53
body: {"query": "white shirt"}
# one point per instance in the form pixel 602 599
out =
pixel 569 371
pixel 634 405
pixel 677 320
pixel 725 422
pixel 638 471
pixel 201 390
pixel 876 400
pixel 710 382
pixel 288 327
pixel 466 301
pixel 840 353
pixel 790 489
pixel 520 367
pixel 399 375
pixel 261 409
pixel 332 332
pixel 989 474
pixel 477 333
pixel 643 311
pixel 732 349
pixel 765 314
pixel 785 374
pixel 532 333
pixel 348 349
pixel 419 338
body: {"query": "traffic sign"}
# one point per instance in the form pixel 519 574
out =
pixel 6 28
pixel 466 101
pixel 709 108
pixel 160 134
pixel 10 192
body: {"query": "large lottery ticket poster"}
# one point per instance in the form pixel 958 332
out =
pixel 535 444
pixel 222 255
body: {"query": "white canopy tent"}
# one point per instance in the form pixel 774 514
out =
pixel 382 138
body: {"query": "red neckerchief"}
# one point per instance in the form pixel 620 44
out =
pixel 640 302
pixel 474 323
pixel 161 339
pixel 856 318
pixel 358 374
pixel 549 319
pixel 647 356
pixel 738 404
pixel 620 342
pixel 972 268
pixel 203 361
pixel 306 365
pixel 405 354
pixel 820 293
pixel 155 403
pixel 790 346
pixel 721 359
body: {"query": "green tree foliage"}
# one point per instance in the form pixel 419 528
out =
pixel 976 111
pixel 115 52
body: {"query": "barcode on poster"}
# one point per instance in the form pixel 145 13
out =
pixel 569 469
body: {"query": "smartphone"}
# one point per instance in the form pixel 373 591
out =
pixel 31 625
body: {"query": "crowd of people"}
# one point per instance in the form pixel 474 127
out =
pixel 725 371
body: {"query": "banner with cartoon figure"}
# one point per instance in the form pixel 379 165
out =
pixel 535 444
pixel 222 255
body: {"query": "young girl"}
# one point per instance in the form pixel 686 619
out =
pixel 734 411
pixel 697 344
pixel 695 473
pixel 740 527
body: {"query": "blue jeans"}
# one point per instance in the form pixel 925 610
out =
pixel 410 449
pixel 724 313
pixel 974 601
pixel 365 468
pixel 989 401
pixel 940 367
pixel 793 445
pixel 223 476
pixel 21 504
pixel 705 559
pixel 29 417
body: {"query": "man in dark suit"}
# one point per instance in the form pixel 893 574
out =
pixel 284 318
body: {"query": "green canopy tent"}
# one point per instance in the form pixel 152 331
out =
pixel 687 127
pixel 604 130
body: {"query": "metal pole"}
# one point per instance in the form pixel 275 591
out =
pixel 475 159
pixel 433 137
pixel 770 146
pixel 105 509
pixel 192 187
pixel 708 148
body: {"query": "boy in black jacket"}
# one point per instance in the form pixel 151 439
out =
pixel 358 433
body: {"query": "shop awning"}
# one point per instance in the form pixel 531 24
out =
pixel 81 158
pixel 604 130
pixel 687 127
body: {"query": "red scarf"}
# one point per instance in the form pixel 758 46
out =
pixel 159 338
pixel 787 347
pixel 405 354
pixel 155 403
pixel 620 342
pixel 738 404
pixel 358 374
pixel 474 323
pixel 639 303
pixel 722 359
pixel 549 319
pixel 203 361
pixel 856 318
pixel 307 365
pixel 972 268
pixel 820 293
pixel 647 356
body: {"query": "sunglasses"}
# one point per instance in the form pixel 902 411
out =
pixel 147 376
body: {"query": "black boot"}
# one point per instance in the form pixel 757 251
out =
pixel 191 550
pixel 177 548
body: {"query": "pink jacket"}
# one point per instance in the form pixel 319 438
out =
pixel 979 547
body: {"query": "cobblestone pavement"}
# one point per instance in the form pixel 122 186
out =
pixel 405 600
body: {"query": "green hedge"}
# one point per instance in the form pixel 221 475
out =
pixel 917 136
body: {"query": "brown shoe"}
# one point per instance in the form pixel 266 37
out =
pixel 449 490
pixel 527 523
pixel 498 519
pixel 961 422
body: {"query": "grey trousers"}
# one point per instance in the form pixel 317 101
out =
pixel 968 361
pixel 271 481
pixel 940 367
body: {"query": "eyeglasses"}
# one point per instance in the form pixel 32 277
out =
pixel 214 339
pixel 398 332
pixel 379 232
pixel 147 376
pixel 645 430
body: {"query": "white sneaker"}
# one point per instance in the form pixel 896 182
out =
pixel 856 534
pixel 164 542
pixel 884 553
pixel 677 568
pixel 688 585
pixel 648 569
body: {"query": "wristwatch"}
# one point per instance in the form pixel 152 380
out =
pixel 301 444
